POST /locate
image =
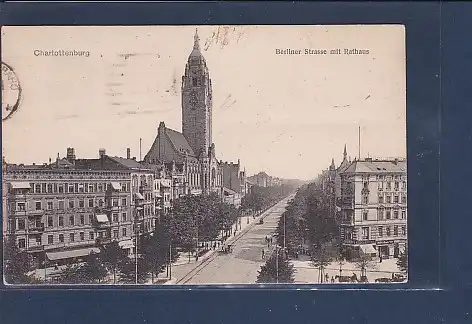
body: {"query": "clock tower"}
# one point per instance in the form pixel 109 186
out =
pixel 197 101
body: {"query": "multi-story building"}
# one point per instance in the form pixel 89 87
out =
pixel 65 210
pixel 374 207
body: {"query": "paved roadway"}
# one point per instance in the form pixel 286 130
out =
pixel 243 264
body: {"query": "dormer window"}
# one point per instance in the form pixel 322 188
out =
pixel 194 81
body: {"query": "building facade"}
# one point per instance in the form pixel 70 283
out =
pixel 374 207
pixel 67 209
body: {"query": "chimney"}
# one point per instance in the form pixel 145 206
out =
pixel 101 153
pixel 71 155
pixel 128 153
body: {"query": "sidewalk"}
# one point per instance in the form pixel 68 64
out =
pixel 307 273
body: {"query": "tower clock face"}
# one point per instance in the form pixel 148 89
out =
pixel 193 100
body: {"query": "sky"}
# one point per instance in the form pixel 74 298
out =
pixel 287 115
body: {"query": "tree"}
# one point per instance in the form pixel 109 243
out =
pixel 17 263
pixel 127 271
pixel 402 262
pixel 363 263
pixel 93 270
pixel 113 257
pixel 321 257
pixel 71 274
pixel 276 269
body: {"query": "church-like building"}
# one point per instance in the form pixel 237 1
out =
pixel 191 154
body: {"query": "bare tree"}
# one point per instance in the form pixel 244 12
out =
pixel 364 263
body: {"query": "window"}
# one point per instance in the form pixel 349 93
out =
pixel 395 230
pixel 403 214
pixel 389 214
pixel 61 205
pixel 81 203
pixel 115 202
pixel 194 81
pixel 82 219
pixel 100 234
pixel 403 199
pixel 50 205
pixel 90 187
pixel 90 219
pixel 20 206
pixel 404 185
pixel 115 217
pixel 71 204
pixel 389 199
pixel 115 233
pixel 82 236
pixel 61 188
pixel 71 220
pixel 397 185
pixel 90 203
pixel 37 188
pixel 72 237
pixel 21 243
pixel 389 185
pixel 388 231
pixel 395 199
pixel 365 199
pixel 61 220
pixel 381 199
pixel 38 205
pixel 403 230
pixel 395 214
pixel 50 239
pixel 100 203
pixel 91 235
pixel 380 231
pixel 123 217
pixel 71 188
pixel 380 185
pixel 123 231
pixel 123 202
pixel 61 238
pixel 365 233
pixel 364 215
pixel 21 224
pixel 50 223
pixel 99 187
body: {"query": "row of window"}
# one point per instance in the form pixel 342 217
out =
pixel 387 198
pixel 71 203
pixel 81 187
pixel 380 231
pixel 74 238
pixel 72 220
pixel 386 213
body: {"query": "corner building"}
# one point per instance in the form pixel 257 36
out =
pixel 374 207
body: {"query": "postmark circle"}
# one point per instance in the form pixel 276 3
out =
pixel 11 91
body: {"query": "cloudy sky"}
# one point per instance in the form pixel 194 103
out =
pixel 287 115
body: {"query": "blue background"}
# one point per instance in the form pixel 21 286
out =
pixel 439 54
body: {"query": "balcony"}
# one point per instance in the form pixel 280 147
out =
pixel 36 228
pixel 35 248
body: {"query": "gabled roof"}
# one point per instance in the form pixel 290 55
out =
pixel 128 163
pixel 174 146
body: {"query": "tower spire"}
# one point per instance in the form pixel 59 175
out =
pixel 196 40
pixel 345 152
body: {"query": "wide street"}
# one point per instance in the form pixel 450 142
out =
pixel 242 265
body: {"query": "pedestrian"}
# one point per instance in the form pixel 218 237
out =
pixel 326 277
pixel 380 258
pixel 263 254
pixel 332 279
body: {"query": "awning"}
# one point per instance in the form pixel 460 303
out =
pixel 139 196
pixel 20 185
pixel 368 249
pixel 128 244
pixel 53 256
pixel 102 218
pixel 116 186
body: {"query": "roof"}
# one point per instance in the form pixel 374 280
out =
pixel 377 167
pixel 229 191
pixel 128 163
pixel 173 148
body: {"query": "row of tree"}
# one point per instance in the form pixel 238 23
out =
pixel 260 198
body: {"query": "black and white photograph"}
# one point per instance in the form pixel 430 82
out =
pixel 204 155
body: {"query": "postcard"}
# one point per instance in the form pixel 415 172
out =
pixel 204 155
